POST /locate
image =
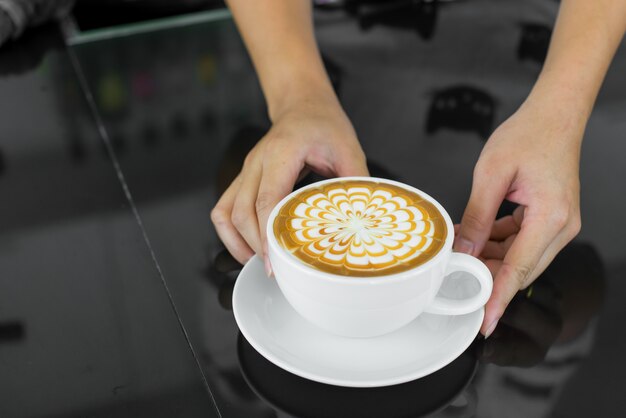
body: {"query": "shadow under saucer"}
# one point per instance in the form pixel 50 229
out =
pixel 300 397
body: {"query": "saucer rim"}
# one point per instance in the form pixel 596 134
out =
pixel 401 378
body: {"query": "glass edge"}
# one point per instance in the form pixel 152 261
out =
pixel 75 37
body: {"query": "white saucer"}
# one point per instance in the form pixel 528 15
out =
pixel 289 341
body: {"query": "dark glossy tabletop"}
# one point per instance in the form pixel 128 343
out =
pixel 115 292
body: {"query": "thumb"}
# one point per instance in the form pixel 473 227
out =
pixel 488 192
pixel 351 163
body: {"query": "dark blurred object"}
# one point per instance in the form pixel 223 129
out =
pixel 179 126
pixel 418 15
pixel 300 397
pixel 17 15
pixel 95 14
pixel 6 26
pixel 77 150
pixel 527 329
pixel 534 42
pixel 11 331
pixel 462 108
pixel 506 208
pixel 26 54
pixel 328 4
pixel 243 141
pixel 556 308
pixel 222 274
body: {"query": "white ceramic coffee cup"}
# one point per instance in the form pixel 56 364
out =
pixel 371 306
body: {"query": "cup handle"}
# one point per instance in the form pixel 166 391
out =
pixel 475 267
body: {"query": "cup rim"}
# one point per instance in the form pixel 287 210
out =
pixel 359 280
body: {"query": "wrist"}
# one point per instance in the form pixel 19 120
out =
pixel 561 104
pixel 302 92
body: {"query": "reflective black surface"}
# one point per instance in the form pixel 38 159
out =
pixel 299 397
pixel 86 325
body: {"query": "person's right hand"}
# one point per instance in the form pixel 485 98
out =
pixel 315 135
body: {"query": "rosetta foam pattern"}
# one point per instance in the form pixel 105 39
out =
pixel 360 228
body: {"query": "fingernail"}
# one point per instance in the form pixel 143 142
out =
pixel 491 328
pixel 268 267
pixel 463 245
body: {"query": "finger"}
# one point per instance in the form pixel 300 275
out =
pixel 303 173
pixel 350 162
pixel 530 244
pixel 277 181
pixel 228 234
pixel 244 214
pixel 493 250
pixel 504 228
pixel 548 256
pixel 518 216
pixel 497 249
pixel 570 228
pixel 488 192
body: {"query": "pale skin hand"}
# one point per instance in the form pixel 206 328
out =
pixel 315 136
pixel 532 159
pixel 309 130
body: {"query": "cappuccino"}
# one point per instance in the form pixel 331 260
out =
pixel 360 228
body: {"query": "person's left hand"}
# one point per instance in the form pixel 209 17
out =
pixel 532 159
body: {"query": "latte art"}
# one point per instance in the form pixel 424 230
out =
pixel 360 228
